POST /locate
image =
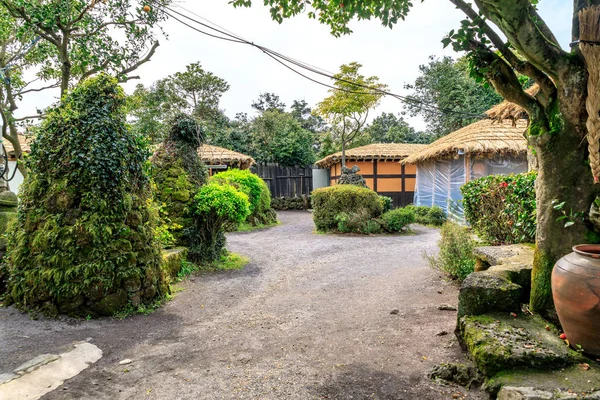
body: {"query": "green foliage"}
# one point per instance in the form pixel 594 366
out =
pixel 177 173
pixel 428 215
pixel 331 201
pixel 257 190
pixel 502 208
pixel 397 220
pixel 446 84
pixel 215 206
pixel 386 203
pixel 357 222
pixel 277 137
pixel 456 252
pixel 84 237
pixel 389 128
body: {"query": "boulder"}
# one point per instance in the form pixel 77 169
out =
pixel 172 260
pixel 462 374
pixel 499 342
pixel 483 292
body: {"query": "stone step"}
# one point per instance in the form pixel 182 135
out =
pixel 500 342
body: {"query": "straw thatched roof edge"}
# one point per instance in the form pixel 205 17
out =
pixel 214 155
pixel 372 152
pixel 483 138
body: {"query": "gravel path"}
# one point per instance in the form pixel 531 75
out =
pixel 308 318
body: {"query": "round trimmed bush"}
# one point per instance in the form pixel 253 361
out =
pixel 257 190
pixel 83 242
pixel 214 207
pixel 397 220
pixel 331 201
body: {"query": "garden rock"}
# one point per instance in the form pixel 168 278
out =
pixel 483 292
pixel 173 259
pixel 350 176
pixel 462 374
pixel 499 342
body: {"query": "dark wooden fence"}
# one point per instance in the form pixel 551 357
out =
pixel 285 181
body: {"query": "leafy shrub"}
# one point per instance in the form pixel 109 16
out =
pixel 178 174
pixel 357 222
pixel 386 203
pixel 397 220
pixel 84 241
pixel 331 201
pixel 456 251
pixel 502 208
pixel 428 215
pixel 257 190
pixel 214 206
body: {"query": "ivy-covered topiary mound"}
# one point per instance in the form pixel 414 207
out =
pixel 178 174
pixel 83 243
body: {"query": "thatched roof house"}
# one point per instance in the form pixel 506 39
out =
pixel 485 138
pixel 218 156
pixel 372 152
pixel 487 147
pixel 380 166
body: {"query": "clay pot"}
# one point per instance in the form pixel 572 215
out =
pixel 576 292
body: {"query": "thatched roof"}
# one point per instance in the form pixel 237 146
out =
pixel 213 155
pixel 482 138
pixel 370 152
pixel 25 142
pixel 508 110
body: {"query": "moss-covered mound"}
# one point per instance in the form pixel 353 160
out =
pixel 178 174
pixel 83 242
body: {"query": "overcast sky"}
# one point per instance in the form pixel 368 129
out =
pixel 393 55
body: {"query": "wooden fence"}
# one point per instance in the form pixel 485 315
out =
pixel 285 181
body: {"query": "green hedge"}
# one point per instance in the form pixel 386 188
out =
pixel 397 220
pixel 331 201
pixel 214 207
pixel 502 208
pixel 257 190
pixel 428 215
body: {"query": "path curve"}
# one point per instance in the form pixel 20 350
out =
pixel 308 318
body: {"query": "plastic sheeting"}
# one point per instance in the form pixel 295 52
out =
pixel 439 181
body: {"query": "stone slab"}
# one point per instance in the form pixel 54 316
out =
pixel 496 255
pixel 483 292
pixel 35 363
pixel 500 342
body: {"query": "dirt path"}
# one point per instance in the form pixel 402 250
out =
pixel 308 318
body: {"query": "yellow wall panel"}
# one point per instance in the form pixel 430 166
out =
pixel 389 185
pixel 410 169
pixel 389 168
pixel 369 182
pixel 409 184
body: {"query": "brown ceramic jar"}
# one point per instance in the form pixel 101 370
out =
pixel 576 292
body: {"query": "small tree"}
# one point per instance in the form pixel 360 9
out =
pixel 348 106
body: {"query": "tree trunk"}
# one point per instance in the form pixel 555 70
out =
pixel 343 154
pixel 63 53
pixel 563 175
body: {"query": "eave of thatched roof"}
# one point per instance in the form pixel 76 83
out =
pixel 24 141
pixel 213 155
pixel 482 138
pixel 508 110
pixel 370 152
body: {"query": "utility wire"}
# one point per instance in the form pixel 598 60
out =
pixel 232 37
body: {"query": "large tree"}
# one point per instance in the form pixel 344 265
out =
pixel 85 37
pixel 347 107
pixel 448 97
pixel 557 112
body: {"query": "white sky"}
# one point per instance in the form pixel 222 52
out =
pixel 393 55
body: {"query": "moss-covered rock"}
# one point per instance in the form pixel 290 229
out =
pixel 483 292
pixel 498 342
pixel 173 259
pixel 84 228
pixel 178 174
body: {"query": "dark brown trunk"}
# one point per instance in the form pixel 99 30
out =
pixel 563 175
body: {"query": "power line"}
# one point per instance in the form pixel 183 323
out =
pixel 232 37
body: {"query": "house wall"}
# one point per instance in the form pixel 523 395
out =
pixel 387 178
pixel 439 181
